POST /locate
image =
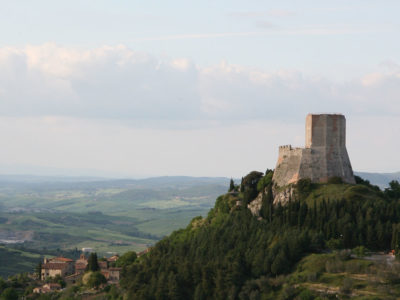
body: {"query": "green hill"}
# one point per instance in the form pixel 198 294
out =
pixel 232 254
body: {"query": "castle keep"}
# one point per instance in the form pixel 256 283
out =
pixel 324 156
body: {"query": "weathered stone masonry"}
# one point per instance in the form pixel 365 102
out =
pixel 323 157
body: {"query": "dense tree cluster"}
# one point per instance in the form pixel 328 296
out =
pixel 222 256
pixel 93 264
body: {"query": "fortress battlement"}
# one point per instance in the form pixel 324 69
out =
pixel 288 148
pixel 285 147
pixel 324 156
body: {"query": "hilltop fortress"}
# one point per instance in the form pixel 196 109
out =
pixel 324 156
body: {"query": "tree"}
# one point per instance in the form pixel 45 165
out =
pixel 173 287
pixel 126 259
pixel 93 264
pixel 241 186
pixel 265 181
pixel 231 186
pixel 249 184
pixel 96 279
pixel 280 263
pixel 58 279
pixel 38 270
pixel 9 294
pixel 393 191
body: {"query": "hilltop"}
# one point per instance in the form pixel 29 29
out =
pixel 236 254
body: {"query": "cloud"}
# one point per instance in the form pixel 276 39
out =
pixel 117 83
pixel 259 14
pixel 265 24
pixel 274 30
pixel 107 82
pixel 124 112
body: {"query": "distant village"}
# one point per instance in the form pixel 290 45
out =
pixel 72 271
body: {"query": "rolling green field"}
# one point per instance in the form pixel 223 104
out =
pixel 12 260
pixel 108 216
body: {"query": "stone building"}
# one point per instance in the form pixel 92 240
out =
pixel 80 264
pixel 57 266
pixel 47 288
pixel 324 156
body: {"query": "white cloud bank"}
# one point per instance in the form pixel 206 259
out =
pixel 131 113
pixel 117 83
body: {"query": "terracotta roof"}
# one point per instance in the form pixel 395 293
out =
pixel 64 259
pixel 55 266
pixel 113 258
pixel 115 269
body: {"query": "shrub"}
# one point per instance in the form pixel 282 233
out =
pixel 343 255
pixel 304 187
pixel 356 192
pixel 355 267
pixel 96 279
pixel 334 244
pixel 360 251
pixel 347 286
pixel 288 292
pixel 9 294
pixel 265 181
pixel 335 180
pixel 306 295
pixel 312 276
pixel 334 266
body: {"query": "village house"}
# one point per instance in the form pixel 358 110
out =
pixel 47 288
pixel 103 264
pixel 57 266
pixel 71 271
pixel 113 259
pixel 114 275
pixel 80 264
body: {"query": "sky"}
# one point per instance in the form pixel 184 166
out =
pixel 200 88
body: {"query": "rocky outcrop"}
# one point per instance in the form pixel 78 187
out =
pixel 256 204
pixel 280 195
pixel 284 195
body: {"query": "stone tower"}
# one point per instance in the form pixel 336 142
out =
pixel 324 156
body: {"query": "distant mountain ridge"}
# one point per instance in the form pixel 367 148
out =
pixel 380 179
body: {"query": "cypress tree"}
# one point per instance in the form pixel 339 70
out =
pixel 93 264
pixel 231 186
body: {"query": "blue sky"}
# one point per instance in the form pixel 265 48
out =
pixel 129 88
pixel 312 35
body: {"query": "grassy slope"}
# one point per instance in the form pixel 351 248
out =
pixel 327 274
pixel 70 230
pixel 16 261
pixel 340 191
